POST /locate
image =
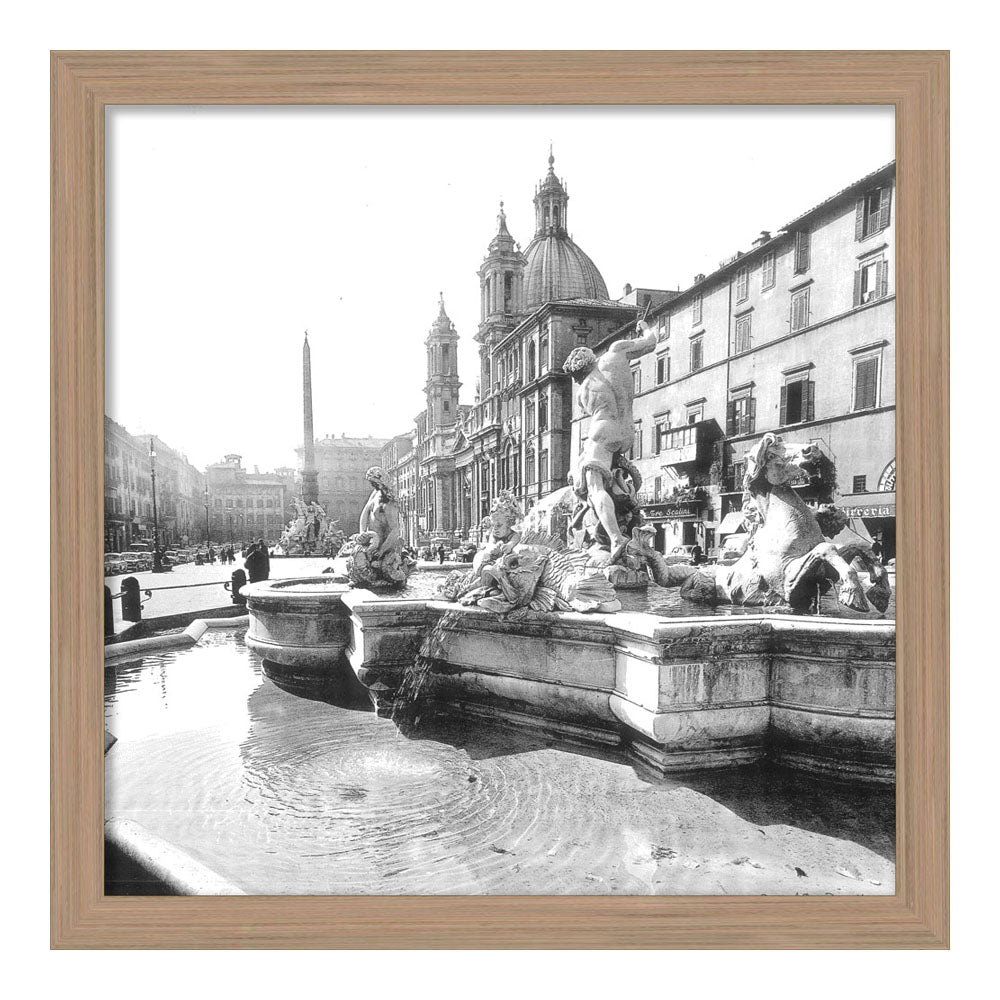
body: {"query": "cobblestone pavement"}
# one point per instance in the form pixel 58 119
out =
pixel 201 598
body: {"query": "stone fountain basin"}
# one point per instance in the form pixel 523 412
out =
pixel 680 693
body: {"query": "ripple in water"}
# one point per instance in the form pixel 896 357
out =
pixel 285 795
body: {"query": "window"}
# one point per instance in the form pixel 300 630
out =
pixel 696 310
pixel 866 372
pixel 695 413
pixel 543 413
pixel 662 368
pixel 529 467
pixel 871 281
pixel 529 417
pixel 860 484
pixel 767 272
pixel 636 451
pixel 872 215
pixel 660 435
pixel 444 354
pixel 260 502
pixel 742 339
pixel 657 487
pixel 741 415
pixel 800 309
pixel 636 380
pixel 742 284
pixel 543 352
pixel 543 466
pixel 447 406
pixel 797 402
pixel 697 354
pixel 663 326
pixel 801 251
pixel 531 361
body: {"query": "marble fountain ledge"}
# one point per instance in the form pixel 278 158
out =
pixel 679 693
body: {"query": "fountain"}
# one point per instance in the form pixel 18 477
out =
pixel 535 634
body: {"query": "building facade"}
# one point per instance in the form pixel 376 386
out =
pixel 535 307
pixel 241 505
pixel 341 464
pixel 128 491
pixel 795 336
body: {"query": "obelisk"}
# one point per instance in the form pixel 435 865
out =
pixel 310 486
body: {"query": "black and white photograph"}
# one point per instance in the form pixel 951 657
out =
pixel 500 501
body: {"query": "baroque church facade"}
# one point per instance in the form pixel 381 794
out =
pixel 536 306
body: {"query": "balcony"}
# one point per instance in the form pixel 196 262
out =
pixel 689 446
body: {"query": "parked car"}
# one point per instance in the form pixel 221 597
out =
pixel 733 547
pixel 113 564
pixel 680 555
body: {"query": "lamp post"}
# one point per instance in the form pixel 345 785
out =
pixel 208 534
pixel 229 511
pixel 157 564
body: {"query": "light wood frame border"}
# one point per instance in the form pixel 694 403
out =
pixel 84 83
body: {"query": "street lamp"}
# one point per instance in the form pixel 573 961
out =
pixel 208 534
pixel 157 564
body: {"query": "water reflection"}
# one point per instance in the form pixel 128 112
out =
pixel 284 795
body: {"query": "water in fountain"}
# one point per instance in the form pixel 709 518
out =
pixel 406 704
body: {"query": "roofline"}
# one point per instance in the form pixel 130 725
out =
pixel 784 234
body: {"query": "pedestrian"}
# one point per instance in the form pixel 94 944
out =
pixel 441 553
pixel 265 558
pixel 254 565
pixel 877 550
pixel 696 555
pixel 211 556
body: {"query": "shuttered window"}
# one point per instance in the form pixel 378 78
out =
pixel 697 354
pixel 636 451
pixel 741 416
pixel 662 369
pixel 696 310
pixel 742 284
pixel 800 309
pixel 871 281
pixel 767 272
pixel 636 381
pixel 543 467
pixel 866 383
pixel 543 413
pixel 797 402
pixel 529 467
pixel 872 212
pixel 801 251
pixel 742 338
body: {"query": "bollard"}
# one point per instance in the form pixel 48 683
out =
pixel 131 604
pixel 109 614
pixel 239 579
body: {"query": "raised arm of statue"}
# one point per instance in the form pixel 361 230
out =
pixel 635 348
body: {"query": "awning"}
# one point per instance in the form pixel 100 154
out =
pixel 731 523
pixel 854 532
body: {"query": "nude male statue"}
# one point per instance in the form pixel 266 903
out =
pixel 606 397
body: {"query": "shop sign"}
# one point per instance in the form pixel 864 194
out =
pixel 877 510
pixel 686 508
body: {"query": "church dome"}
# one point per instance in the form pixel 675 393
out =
pixel 558 269
pixel 555 267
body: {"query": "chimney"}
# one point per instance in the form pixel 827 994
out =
pixel 764 237
pixel 628 288
pixel 698 277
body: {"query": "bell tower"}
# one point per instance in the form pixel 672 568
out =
pixel 442 371
pixel 501 290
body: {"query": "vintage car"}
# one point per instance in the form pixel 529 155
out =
pixel 113 564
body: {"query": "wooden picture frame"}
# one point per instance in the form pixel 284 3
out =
pixel 84 84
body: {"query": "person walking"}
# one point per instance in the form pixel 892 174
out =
pixel 696 554
pixel 254 564
pixel 441 553
pixel 265 558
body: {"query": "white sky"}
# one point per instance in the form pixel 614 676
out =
pixel 231 231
